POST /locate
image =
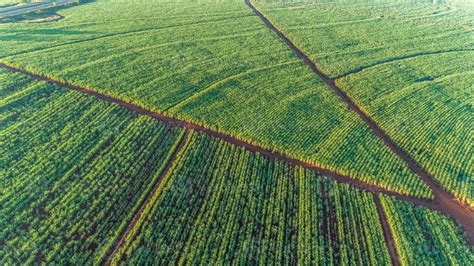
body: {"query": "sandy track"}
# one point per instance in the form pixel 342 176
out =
pixel 443 202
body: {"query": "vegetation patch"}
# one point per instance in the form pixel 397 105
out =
pixel 216 65
pixel 423 235
pixel 74 170
pixel 223 204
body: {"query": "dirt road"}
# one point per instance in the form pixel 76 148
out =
pixel 443 202
pixel 439 204
pixel 387 233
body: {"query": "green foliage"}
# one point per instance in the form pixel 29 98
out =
pixel 214 64
pixel 221 204
pixel 73 171
pixel 343 36
pixel 408 66
pixel 425 236
pixel 11 83
pixel 425 104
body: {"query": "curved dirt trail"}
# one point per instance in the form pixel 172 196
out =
pixel 443 202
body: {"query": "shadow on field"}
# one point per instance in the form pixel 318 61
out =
pixel 40 35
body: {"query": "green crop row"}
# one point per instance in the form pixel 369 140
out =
pixel 11 82
pixel 221 204
pixel 73 171
pixel 426 237
pixel 215 64
pixel 426 106
pixel 410 69
pixel 343 36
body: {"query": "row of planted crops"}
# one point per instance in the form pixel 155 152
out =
pixel 219 66
pixel 75 170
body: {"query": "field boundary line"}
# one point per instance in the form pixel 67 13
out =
pixel 387 232
pixel 222 81
pixel 399 58
pixel 446 203
pixel 112 35
pixel 340 178
pixel 139 211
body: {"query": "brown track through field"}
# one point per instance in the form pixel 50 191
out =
pixel 387 233
pixel 129 228
pixel 463 215
pixel 443 202
pixel 249 146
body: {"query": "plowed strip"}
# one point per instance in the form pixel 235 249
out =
pixel 444 202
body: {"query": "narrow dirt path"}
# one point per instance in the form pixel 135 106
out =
pixel 463 215
pixel 444 202
pixel 131 224
pixel 387 233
